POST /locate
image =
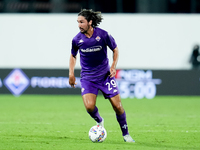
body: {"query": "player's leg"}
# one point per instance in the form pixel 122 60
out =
pixel 121 117
pixel 89 94
pixel 89 101
pixel 111 91
pixel 120 113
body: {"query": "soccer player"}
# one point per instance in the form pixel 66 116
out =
pixel 96 74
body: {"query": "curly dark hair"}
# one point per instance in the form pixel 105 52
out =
pixel 89 14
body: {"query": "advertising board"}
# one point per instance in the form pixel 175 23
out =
pixel 132 83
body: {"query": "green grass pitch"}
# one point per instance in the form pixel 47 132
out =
pixel 42 122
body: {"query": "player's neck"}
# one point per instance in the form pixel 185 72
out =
pixel 90 32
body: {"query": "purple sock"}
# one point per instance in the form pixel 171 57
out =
pixel 95 115
pixel 122 122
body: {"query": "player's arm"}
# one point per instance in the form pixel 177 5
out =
pixel 72 63
pixel 114 63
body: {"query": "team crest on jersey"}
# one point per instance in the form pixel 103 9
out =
pixel 98 38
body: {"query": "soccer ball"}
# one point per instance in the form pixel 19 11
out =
pixel 97 133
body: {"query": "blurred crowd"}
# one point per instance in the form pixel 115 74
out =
pixel 111 6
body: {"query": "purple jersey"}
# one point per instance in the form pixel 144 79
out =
pixel 93 53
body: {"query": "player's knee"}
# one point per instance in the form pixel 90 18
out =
pixel 90 108
pixel 118 109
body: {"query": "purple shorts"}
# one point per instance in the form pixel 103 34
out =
pixel 108 87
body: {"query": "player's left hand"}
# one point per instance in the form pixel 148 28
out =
pixel 112 72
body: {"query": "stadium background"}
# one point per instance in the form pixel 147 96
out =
pixel 155 38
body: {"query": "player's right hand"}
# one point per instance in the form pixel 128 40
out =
pixel 72 81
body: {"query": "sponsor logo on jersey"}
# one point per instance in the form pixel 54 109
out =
pixel 17 82
pixel 92 49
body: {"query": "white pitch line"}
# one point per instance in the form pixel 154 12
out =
pixel 25 123
pixel 186 131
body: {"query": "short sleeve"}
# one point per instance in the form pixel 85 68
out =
pixel 110 41
pixel 74 49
